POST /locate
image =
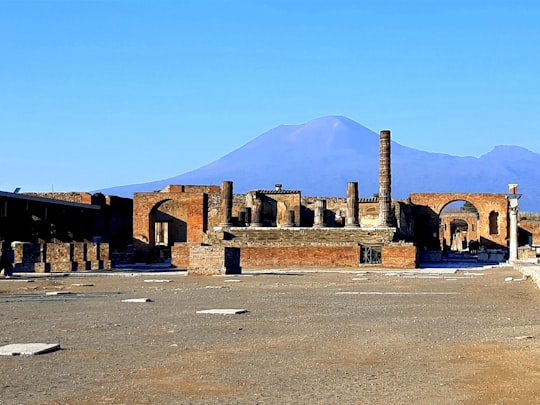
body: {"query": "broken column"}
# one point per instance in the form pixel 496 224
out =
pixel 513 198
pixel 226 203
pixel 351 221
pixel 257 212
pixel 318 219
pixel 385 180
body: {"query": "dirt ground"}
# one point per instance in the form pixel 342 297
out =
pixel 309 337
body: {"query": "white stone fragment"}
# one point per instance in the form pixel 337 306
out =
pixel 223 311
pixel 215 286
pixel 17 349
pixel 158 281
pixel 360 279
pixel 138 300
pixel 508 279
pixel 233 281
pixel 58 293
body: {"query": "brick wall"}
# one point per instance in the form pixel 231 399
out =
pixel 299 256
pixel 399 255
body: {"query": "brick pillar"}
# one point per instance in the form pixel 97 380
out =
pixel 257 212
pixel 226 203
pixel 385 180
pixel 318 219
pixel 351 221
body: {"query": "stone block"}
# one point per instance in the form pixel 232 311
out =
pixel 78 251
pixel 62 267
pixel 211 260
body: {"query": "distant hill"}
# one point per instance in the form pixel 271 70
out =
pixel 322 155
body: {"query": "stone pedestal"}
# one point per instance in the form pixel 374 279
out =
pixel 212 260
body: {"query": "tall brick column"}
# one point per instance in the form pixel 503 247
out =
pixel 351 221
pixel 226 203
pixel 385 180
pixel 318 219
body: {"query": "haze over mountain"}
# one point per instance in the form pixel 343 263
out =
pixel 322 155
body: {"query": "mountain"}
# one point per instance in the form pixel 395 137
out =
pixel 322 155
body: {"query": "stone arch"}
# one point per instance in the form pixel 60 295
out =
pixel 432 205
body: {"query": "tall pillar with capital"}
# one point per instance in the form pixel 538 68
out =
pixel 226 203
pixel 351 221
pixel 513 207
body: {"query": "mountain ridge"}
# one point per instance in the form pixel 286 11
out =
pixel 322 155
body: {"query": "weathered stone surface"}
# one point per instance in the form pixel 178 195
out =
pixel 17 349
pixel 209 260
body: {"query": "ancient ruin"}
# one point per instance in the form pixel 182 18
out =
pixel 208 229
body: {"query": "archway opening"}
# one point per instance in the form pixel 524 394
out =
pixel 458 223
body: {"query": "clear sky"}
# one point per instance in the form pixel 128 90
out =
pixel 102 93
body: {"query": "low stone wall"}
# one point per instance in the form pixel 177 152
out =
pixel 60 257
pixel 400 255
pixel 529 269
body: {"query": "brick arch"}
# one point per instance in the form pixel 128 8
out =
pixel 430 205
pixel 192 209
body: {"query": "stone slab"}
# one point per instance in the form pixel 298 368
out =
pixel 138 300
pixel 223 311
pixel 58 293
pixel 17 349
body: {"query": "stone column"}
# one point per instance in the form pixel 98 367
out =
pixel 351 221
pixel 290 218
pixel 318 219
pixel 513 198
pixel 226 203
pixel 257 212
pixel 248 216
pixel 385 180
pixel 242 218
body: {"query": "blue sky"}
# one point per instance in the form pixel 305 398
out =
pixel 95 94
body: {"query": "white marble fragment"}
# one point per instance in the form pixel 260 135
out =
pixel 138 300
pixel 16 349
pixel 223 311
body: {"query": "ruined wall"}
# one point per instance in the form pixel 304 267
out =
pixel 74 197
pixel 399 255
pixel 428 207
pixel 60 257
pixel 336 211
pixel 269 257
pixel 529 232
pixel 189 209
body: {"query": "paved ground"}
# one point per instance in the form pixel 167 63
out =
pixel 326 338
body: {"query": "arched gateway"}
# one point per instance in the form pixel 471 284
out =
pixel 492 229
